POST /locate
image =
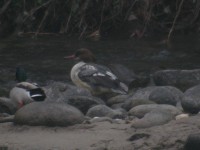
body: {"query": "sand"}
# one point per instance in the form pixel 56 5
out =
pixel 96 136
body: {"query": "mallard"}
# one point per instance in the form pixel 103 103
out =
pixel 25 92
pixel 20 74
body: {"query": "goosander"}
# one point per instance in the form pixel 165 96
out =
pixel 96 78
pixel 25 92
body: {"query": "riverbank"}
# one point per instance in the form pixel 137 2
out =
pixel 99 136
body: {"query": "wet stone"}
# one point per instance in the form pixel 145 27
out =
pixel 153 118
pixel 182 79
pixel 141 110
pixel 130 103
pixel 84 103
pixel 166 95
pixel 191 100
pixel 105 111
pixel 48 114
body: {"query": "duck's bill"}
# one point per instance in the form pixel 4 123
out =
pixel 70 57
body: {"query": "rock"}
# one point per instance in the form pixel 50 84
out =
pixel 48 114
pixel 166 95
pixel 191 101
pixel 4 91
pixel 128 77
pixel 78 97
pixel 141 110
pixel 193 142
pixel 181 116
pixel 153 118
pixel 7 106
pixel 116 106
pixel 117 99
pixel 130 103
pixel 158 94
pixel 83 103
pixel 120 113
pixel 58 91
pixel 142 93
pixel 4 115
pixel 182 79
pixel 101 119
pixel 105 111
pixel 123 73
pixel 142 80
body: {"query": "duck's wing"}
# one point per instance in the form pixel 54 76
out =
pixel 35 92
pixel 26 85
pixel 101 76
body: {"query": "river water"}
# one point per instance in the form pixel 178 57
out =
pixel 42 57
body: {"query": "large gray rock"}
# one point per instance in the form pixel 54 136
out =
pixel 130 103
pixel 128 77
pixel 166 95
pixel 142 93
pixel 117 99
pixel 141 110
pixel 116 106
pixel 157 94
pixel 48 114
pixel 182 79
pixel 58 91
pixel 153 118
pixel 191 100
pixel 84 103
pixel 7 106
pixel 105 111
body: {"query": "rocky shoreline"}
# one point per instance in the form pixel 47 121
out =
pixel 162 113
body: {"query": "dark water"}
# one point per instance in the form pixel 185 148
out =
pixel 42 57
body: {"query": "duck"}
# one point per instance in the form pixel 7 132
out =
pixel 20 74
pixel 98 79
pixel 24 93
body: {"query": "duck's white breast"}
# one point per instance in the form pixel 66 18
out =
pixel 74 75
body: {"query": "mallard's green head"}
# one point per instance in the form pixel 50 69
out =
pixel 20 74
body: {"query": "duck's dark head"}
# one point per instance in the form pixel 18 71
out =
pixel 83 54
pixel 20 74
